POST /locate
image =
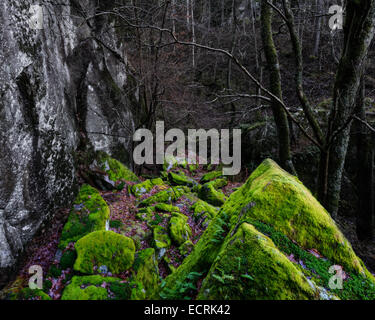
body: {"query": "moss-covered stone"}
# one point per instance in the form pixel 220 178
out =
pixel 147 271
pixel 145 187
pixel 32 294
pixel 203 211
pixel 161 238
pixel 98 288
pixel 250 267
pixel 115 170
pixel 186 248
pixel 279 199
pixel 180 180
pixel 211 195
pixel 89 213
pixel 104 248
pixel 179 229
pixel 275 197
pixel 146 214
pixel 163 207
pixel 211 176
pixel 165 196
pixel 219 183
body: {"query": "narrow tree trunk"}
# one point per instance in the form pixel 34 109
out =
pixel 365 181
pixel 279 114
pixel 359 32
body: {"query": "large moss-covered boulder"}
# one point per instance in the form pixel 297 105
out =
pixel 280 207
pixel 275 197
pixel 96 287
pixel 147 271
pixel 145 187
pixel 166 196
pixel 104 248
pixel 89 213
pixel 179 229
pixel 249 266
pixel 211 195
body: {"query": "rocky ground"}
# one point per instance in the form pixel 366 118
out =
pixel 192 234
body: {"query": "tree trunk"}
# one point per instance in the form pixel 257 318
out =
pixel 273 65
pixel 358 34
pixel 365 181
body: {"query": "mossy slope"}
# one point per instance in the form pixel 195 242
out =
pixel 249 266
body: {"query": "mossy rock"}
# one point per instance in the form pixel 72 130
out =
pixel 203 211
pixel 179 229
pixel 161 238
pixel 31 294
pixel 165 196
pixel 115 170
pixel 146 214
pixel 145 187
pixel 89 213
pixel 211 195
pixel 218 183
pixel 211 176
pixel 100 288
pixel 104 248
pixel 147 271
pixel 186 248
pixel 163 207
pixel 180 180
pixel 250 267
pixel 275 197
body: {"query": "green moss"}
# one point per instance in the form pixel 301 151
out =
pixel 211 195
pixel 163 207
pixel 104 248
pixel 354 287
pixel 211 176
pixel 115 169
pixel 249 266
pixel 147 271
pixel 186 248
pixel 89 213
pixel 88 288
pixel 161 238
pixel 203 211
pixel 146 214
pixel 219 183
pixel 145 187
pixel 179 229
pixel 180 180
pixel 166 196
pixel 67 259
pixel 279 199
pixel 32 294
